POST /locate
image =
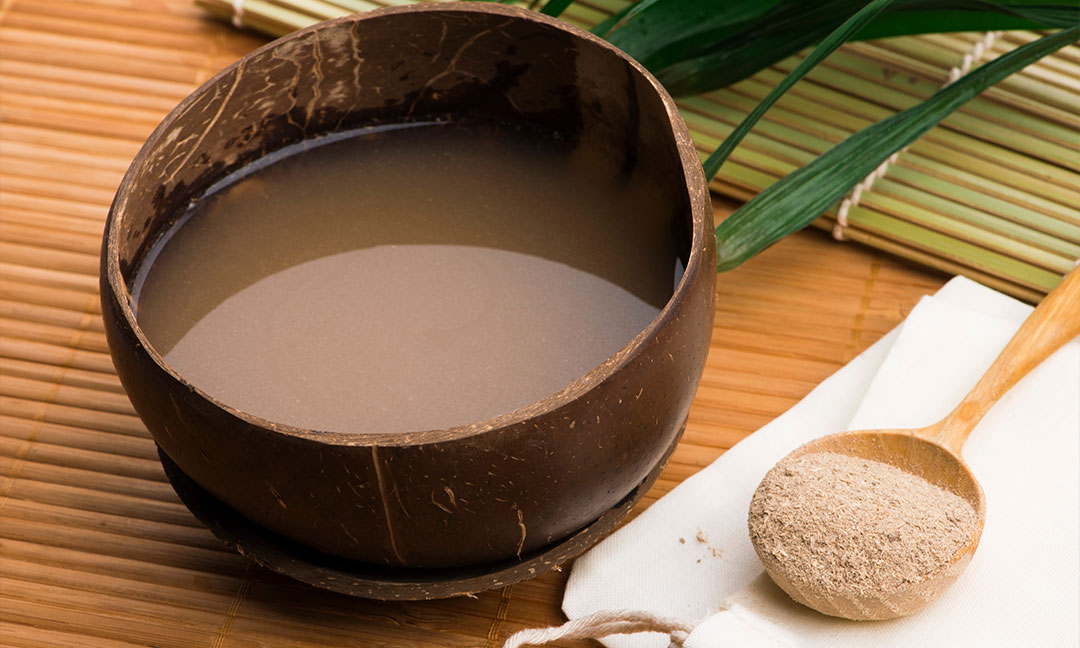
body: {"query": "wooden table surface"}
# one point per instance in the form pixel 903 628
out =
pixel 95 549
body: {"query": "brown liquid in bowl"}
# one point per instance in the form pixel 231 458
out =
pixel 410 278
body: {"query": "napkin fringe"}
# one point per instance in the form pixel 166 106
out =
pixel 604 624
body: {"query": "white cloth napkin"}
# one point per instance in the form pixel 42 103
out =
pixel 689 556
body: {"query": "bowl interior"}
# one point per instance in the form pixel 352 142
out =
pixel 416 65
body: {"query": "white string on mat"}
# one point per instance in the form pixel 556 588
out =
pixel 604 624
pixel 238 13
pixel 978 51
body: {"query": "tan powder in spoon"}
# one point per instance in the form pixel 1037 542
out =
pixel 842 525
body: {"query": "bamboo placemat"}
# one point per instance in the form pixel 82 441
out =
pixel 95 549
pixel 992 193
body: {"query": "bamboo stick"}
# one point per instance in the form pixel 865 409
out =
pixel 61 576
pixel 367 619
pixel 317 10
pixel 23 208
pixel 47 277
pixel 756 385
pixel 988 165
pixel 47 202
pixel 72 310
pixel 946 206
pixel 1059 219
pixel 85 479
pixel 356 6
pixel 830 76
pixel 106 168
pixel 56 239
pixel 945 245
pixel 75 122
pixel 742 311
pixel 24 636
pixel 839 123
pixel 53 354
pixel 260 15
pixel 131 88
pixel 73 416
pixel 80 438
pixel 44 452
pixel 962 231
pixel 981 109
pixel 36 605
pixel 700 119
pixel 122 13
pixel 868 69
pixel 90 564
pixel 73 202
pixel 58 23
pixel 1052 70
pixel 145 51
pixel 955 250
pixel 850 114
pixel 1069 250
pixel 34 256
pixel 1067 59
pixel 65 90
pixel 1030 82
pixel 113 150
pixel 997 197
pixel 59 53
pixel 118 504
pixel 63 394
pixel 48 334
pixel 937 261
pixel 138 118
pixel 54 607
pixel 583 16
pixel 68 376
pixel 187 533
pixel 81 306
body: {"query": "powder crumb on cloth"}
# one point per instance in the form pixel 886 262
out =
pixel 704 539
pixel 842 524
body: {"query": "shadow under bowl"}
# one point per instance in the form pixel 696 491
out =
pixel 531 478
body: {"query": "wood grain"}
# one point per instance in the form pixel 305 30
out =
pixel 1055 321
pixel 95 549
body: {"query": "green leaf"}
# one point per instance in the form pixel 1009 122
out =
pixel 682 28
pixel 794 201
pixel 555 7
pixel 786 29
pixel 694 46
pixel 841 35
pixel 974 15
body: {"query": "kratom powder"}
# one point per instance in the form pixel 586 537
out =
pixel 841 525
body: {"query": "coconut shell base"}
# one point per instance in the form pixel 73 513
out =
pixel 521 481
pixel 390 583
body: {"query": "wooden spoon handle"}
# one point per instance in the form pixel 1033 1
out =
pixel 1053 323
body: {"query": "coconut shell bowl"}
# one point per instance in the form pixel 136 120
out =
pixel 432 513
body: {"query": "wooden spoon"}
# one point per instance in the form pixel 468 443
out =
pixel 933 453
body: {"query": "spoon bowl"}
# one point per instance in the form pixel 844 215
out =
pixel 933 454
pixel 913 452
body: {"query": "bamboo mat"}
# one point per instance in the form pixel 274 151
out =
pixel 993 192
pixel 95 549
